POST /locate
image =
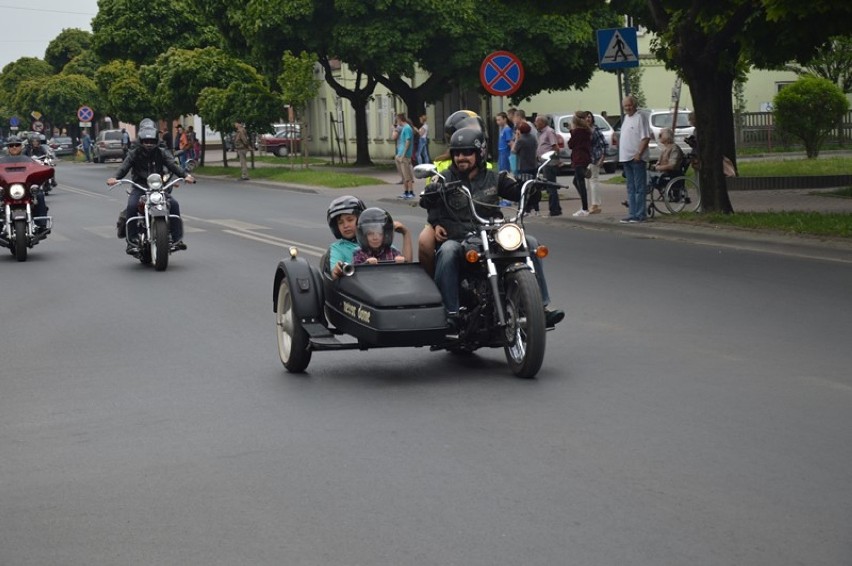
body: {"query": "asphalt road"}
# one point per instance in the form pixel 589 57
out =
pixel 694 407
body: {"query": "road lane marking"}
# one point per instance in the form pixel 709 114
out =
pixel 280 242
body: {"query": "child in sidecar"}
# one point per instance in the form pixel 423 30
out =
pixel 375 235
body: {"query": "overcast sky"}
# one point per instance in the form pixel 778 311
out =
pixel 28 27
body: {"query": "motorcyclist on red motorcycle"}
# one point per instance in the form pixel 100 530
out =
pixel 37 149
pixel 145 158
pixel 15 150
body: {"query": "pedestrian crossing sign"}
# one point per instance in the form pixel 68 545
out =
pixel 617 48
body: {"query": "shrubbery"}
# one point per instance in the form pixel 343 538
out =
pixel 809 109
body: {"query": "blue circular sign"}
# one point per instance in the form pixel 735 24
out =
pixel 14 121
pixel 85 114
pixel 501 73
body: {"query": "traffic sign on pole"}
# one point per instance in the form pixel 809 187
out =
pixel 501 73
pixel 617 48
pixel 85 114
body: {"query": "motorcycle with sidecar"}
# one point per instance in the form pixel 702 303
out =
pixel 399 304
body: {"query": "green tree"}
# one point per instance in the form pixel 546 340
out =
pixel 140 31
pixel 712 43
pixel 123 93
pixel 298 85
pixel 832 61
pixel 386 41
pixel 251 103
pixel 58 98
pixel 70 43
pixel 17 72
pixel 809 109
pixel 86 63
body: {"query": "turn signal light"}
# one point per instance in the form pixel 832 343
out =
pixel 472 256
pixel 541 252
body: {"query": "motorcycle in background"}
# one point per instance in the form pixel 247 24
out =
pixel 48 160
pixel 152 219
pixel 21 183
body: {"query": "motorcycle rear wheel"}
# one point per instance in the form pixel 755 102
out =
pixel 292 337
pixel 20 246
pixel 525 324
pixel 160 244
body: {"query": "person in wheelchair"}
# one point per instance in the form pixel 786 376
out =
pixel 671 161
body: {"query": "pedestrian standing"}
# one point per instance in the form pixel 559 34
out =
pixel 633 155
pixel 548 141
pixel 599 146
pixel 87 146
pixel 241 145
pixel 580 144
pixel 404 151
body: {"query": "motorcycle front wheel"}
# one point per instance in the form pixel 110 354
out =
pixel 160 244
pixel 292 338
pixel 525 324
pixel 20 245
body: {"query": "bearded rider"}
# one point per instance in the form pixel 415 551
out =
pixel 145 158
pixel 450 217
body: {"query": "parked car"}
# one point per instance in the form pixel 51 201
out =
pixel 62 145
pixel 107 146
pixel 659 119
pixel 561 124
pixel 287 139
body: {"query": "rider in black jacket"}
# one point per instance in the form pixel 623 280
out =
pixel 451 217
pixel 145 158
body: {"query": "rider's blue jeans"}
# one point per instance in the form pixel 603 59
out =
pixel 448 271
pixel 636 175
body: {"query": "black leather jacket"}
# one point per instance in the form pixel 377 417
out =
pixel 141 162
pixel 453 213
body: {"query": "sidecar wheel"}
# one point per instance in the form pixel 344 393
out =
pixel 160 245
pixel 292 338
pixel 525 324
pixel 20 248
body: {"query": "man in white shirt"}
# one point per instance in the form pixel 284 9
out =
pixel 633 155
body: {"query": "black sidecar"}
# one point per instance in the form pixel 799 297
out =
pixel 377 306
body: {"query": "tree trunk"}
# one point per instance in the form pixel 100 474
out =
pixel 712 91
pixel 358 97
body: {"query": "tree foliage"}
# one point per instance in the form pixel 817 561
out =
pixel 832 61
pixel 57 97
pixel 297 82
pixel 809 109
pixel 140 31
pixel 70 43
pixel 17 72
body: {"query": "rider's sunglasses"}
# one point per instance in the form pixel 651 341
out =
pixel 14 145
pixel 149 143
pixel 465 152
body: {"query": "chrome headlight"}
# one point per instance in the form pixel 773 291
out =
pixel 17 191
pixel 155 181
pixel 510 237
pixel 156 198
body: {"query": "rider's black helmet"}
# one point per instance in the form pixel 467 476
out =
pixel 147 135
pixel 462 119
pixel 343 205
pixel 375 220
pixel 469 139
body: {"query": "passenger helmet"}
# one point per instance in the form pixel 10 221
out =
pixel 343 205
pixel 462 119
pixel 469 138
pixel 375 220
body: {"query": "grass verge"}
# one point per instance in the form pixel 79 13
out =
pixel 836 225
pixel 314 176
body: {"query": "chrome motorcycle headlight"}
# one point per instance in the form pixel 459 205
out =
pixel 157 198
pixel 509 237
pixel 155 181
pixel 17 191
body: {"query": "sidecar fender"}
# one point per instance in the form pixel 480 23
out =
pixel 305 285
